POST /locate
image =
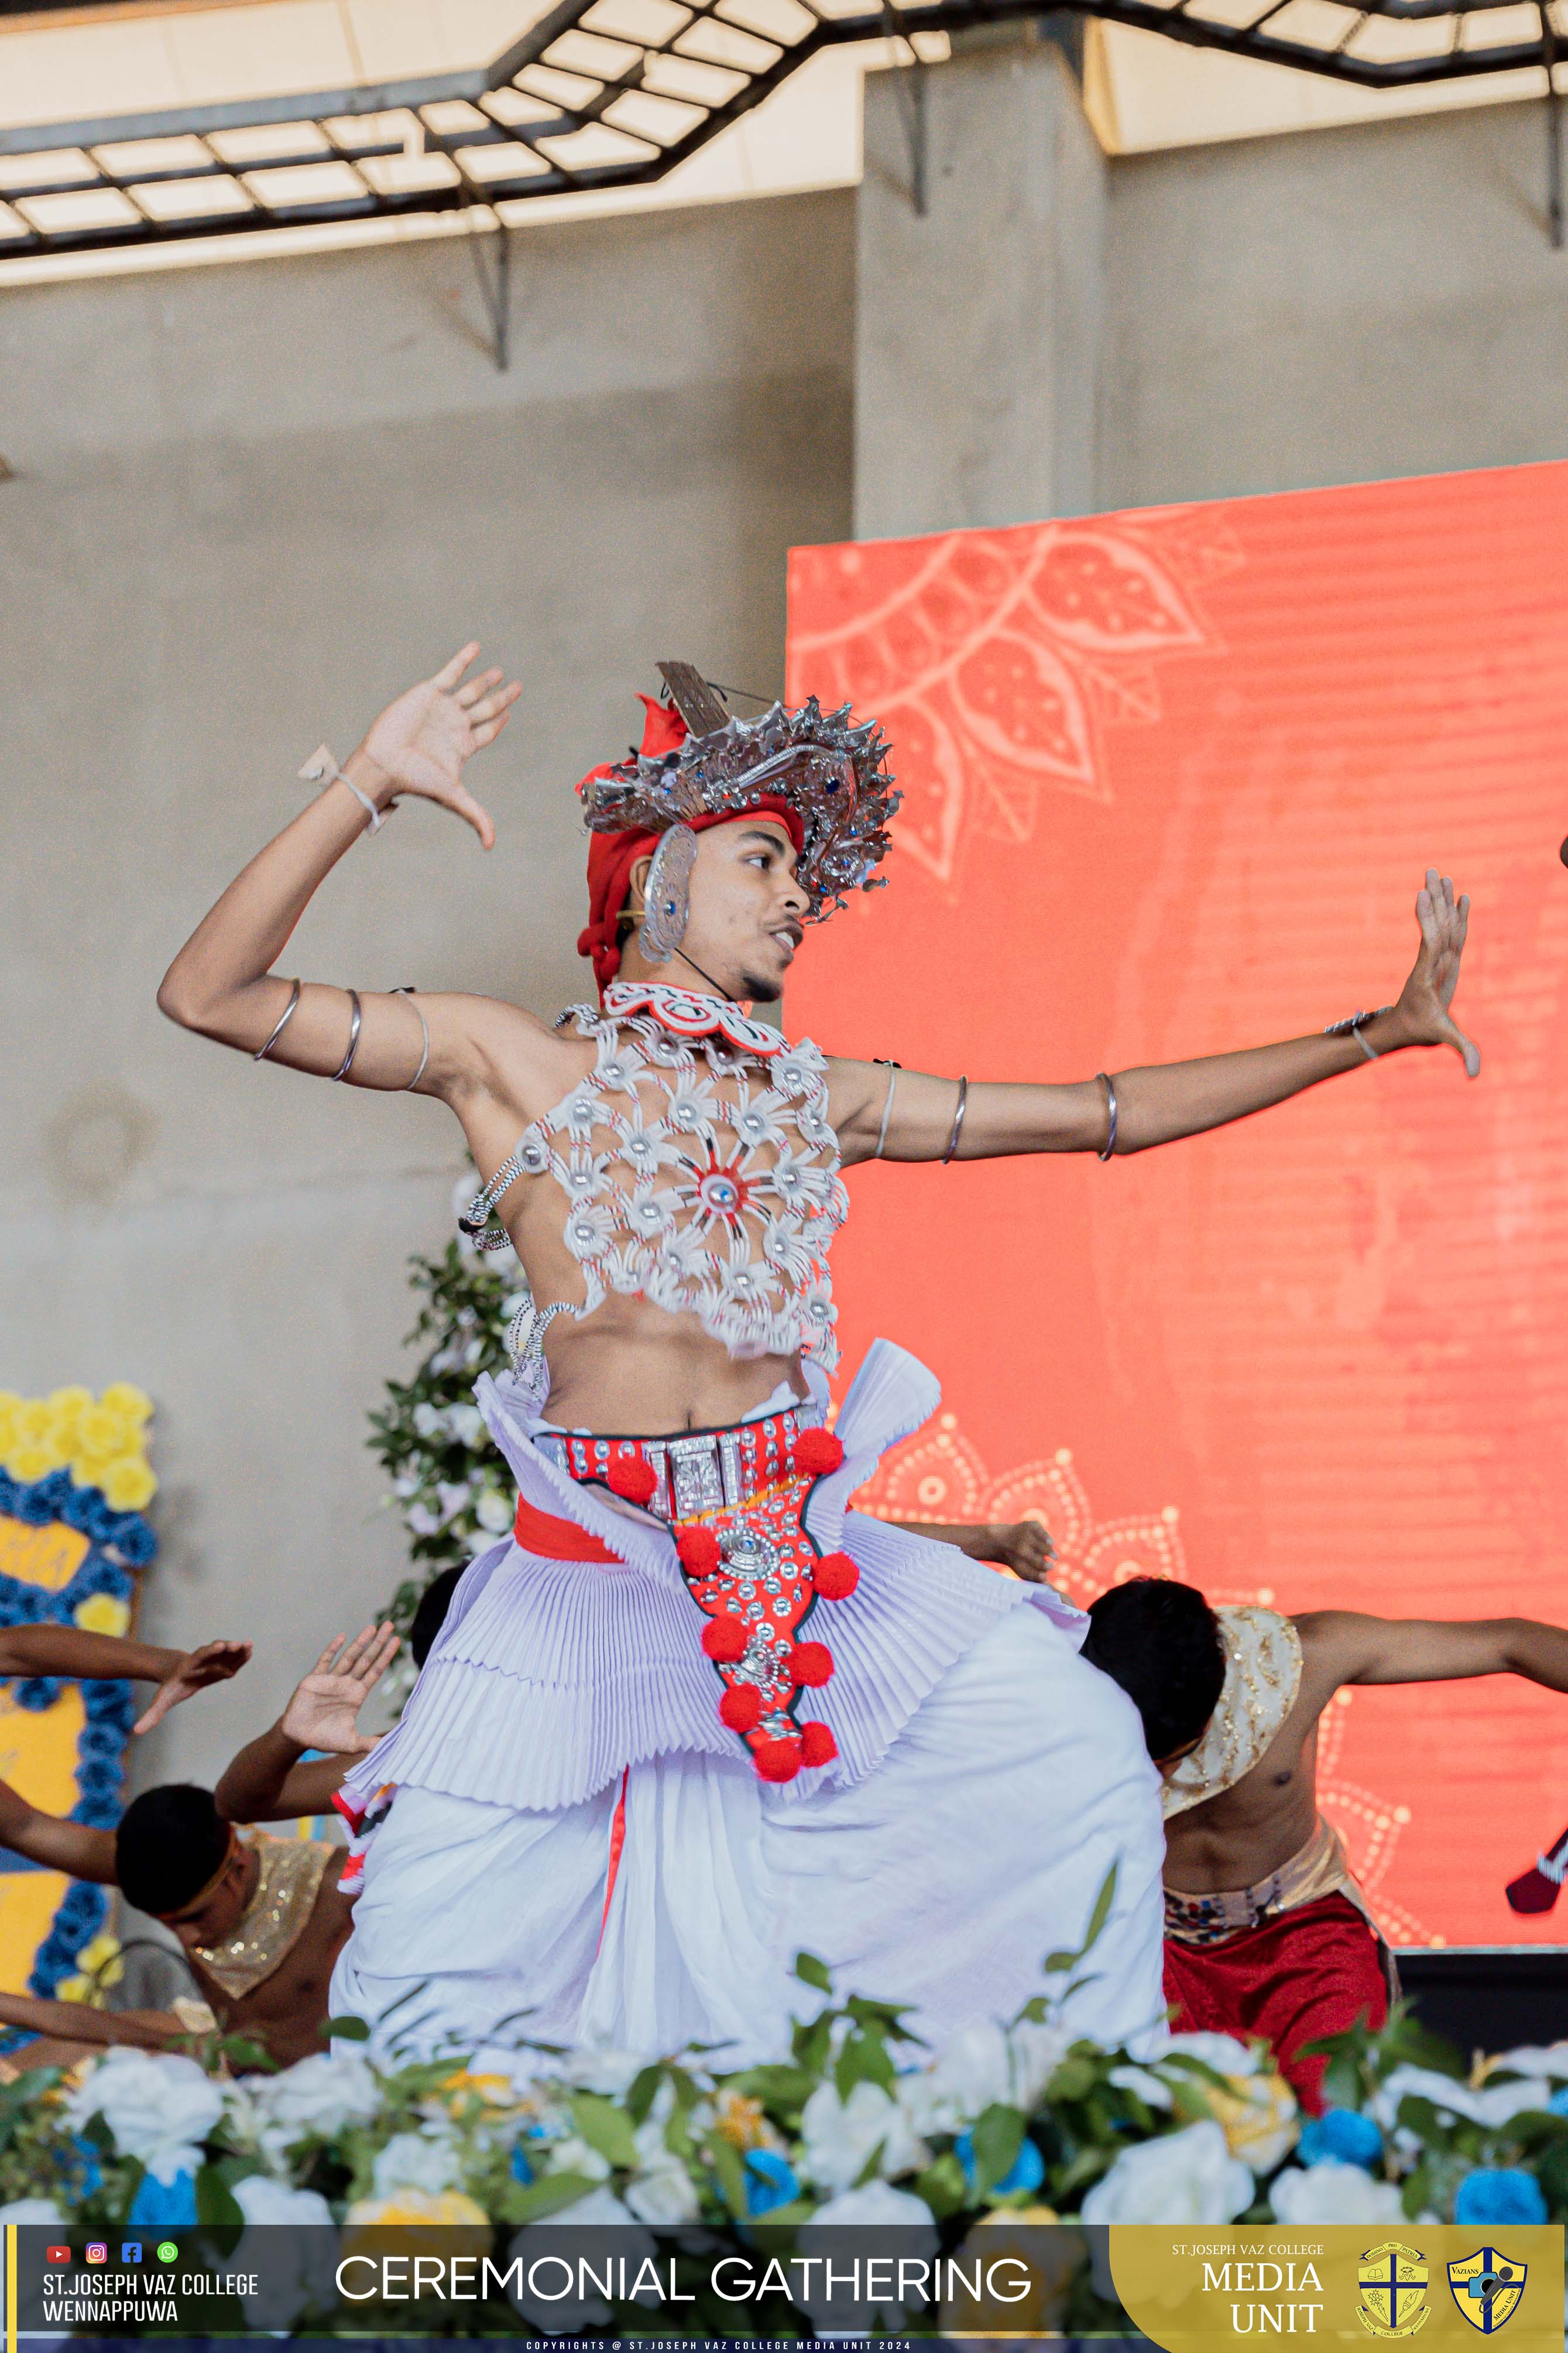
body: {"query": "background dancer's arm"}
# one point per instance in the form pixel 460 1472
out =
pixel 72 2026
pixel 1023 1545
pixel 267 1782
pixel 1162 1102
pixel 1341 1646
pixel 55 1844
pixel 222 982
pixel 107 1658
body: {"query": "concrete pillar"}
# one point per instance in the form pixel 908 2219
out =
pixel 979 325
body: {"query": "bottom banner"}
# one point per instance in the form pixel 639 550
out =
pixel 1010 2279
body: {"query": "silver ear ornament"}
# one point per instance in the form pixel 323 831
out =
pixel 665 902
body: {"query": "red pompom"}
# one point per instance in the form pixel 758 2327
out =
pixel 837 1577
pixel 816 1452
pixel 777 1761
pixel 817 1745
pixel 811 1664
pixel 741 1708
pixel 698 1549
pixel 724 1638
pixel 630 1477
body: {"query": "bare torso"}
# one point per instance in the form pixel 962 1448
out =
pixel 1250 1829
pixel 287 2012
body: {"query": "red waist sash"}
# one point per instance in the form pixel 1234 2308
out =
pixel 555 1539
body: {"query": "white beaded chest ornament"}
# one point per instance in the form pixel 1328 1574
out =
pixel 699 1168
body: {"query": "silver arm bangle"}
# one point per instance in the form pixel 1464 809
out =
pixel 1103 1151
pixel 423 1032
pixel 282 1025
pixel 321 768
pixel 346 1065
pixel 957 1121
pixel 1353 1026
pixel 886 1109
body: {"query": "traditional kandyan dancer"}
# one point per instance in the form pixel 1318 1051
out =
pixel 698 1714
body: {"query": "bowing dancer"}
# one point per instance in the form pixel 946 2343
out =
pixel 1267 1931
pixel 698 1714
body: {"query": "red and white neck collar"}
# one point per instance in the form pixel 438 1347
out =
pixel 687 1015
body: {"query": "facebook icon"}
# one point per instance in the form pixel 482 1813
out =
pixel 131 2250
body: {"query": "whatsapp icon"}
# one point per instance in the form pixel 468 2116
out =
pixel 167 2251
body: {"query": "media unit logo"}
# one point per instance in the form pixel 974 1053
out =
pixel 1487 2286
pixel 1392 2278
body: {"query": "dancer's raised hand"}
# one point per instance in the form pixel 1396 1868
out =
pixel 324 1710
pixel 422 743
pixel 1422 1012
pixel 214 1662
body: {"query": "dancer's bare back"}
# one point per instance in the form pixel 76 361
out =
pixel 632 1365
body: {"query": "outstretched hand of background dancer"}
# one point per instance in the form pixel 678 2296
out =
pixel 1422 1010
pixel 324 1710
pixel 422 743
pixel 214 1662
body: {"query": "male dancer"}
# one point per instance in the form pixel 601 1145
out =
pixel 630 1783
pixel 1267 1932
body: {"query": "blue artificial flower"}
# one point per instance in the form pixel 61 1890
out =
pixel 36 1692
pixel 1028 2168
pixel 91 2180
pixel 1340 2137
pixel 165 2205
pixel 770 2180
pixel 1499 2193
pixel 520 2168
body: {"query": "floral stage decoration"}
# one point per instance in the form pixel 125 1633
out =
pixel 74 1480
pixel 857 2123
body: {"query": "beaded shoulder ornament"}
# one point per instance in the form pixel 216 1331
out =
pixel 701 1171
pixel 1262 1680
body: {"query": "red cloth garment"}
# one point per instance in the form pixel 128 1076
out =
pixel 612 856
pixel 1314 1970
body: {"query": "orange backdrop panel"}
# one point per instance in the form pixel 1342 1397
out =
pixel 1172 780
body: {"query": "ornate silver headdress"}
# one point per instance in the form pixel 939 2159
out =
pixel 829 772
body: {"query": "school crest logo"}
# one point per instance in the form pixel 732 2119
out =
pixel 1392 2281
pixel 1487 2287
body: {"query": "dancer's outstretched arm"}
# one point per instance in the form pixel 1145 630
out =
pixel 1341 1646
pixel 57 1846
pixel 1169 1100
pixel 71 1650
pixel 222 982
pixel 267 1782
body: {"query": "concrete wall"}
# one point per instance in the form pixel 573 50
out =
pixel 251 504
pixel 1334 306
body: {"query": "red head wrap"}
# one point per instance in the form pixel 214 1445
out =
pixel 612 856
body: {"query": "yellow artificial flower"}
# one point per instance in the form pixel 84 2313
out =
pixel 125 1398
pixel 99 1966
pixel 33 1460
pixel 65 1409
pixel 100 1614
pixel 495 2090
pixel 32 1421
pixel 106 1434
pixel 740 2121
pixel 71 1399
pixel 128 1483
pixel 1050 2264
pixel 1257 2115
pixel 425 2220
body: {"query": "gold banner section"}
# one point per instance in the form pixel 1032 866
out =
pixel 1344 2284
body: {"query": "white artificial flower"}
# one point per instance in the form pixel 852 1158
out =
pixel 574 2155
pixel 1493 2105
pixel 467 1424
pixel 601 2069
pixel 1222 2052
pixel 427 1421
pixel 664 2194
pixel 493 1512
pixel 875 2206
pixel 1188 2176
pixel 1304 2197
pixel 315 2098
pixel 1150 2089
pixel 38 2211
pixel 428 2160
pixel 570 2315
pixel 422 1520
pixel 455 1495
pixel 159 2108
pixel 971 2073
pixel 1037 2050
pixel 1549 2059
pixel 297 2273
pixel 838 2136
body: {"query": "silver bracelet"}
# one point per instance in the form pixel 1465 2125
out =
pixel 321 768
pixel 1354 1024
pixel 892 1070
pixel 423 1032
pixel 1103 1151
pixel 346 1065
pixel 957 1121
pixel 282 1023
